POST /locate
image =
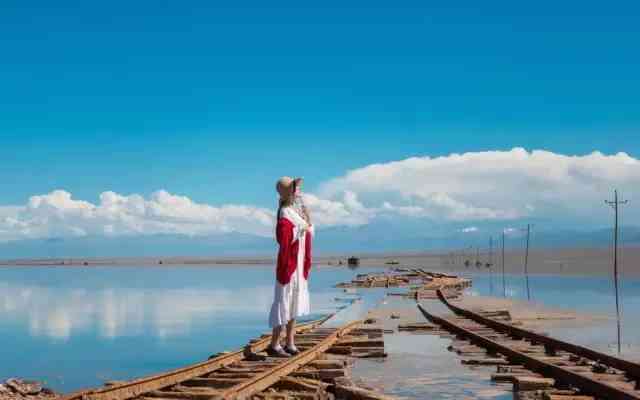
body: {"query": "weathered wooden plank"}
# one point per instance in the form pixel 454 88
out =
pixel 232 375
pixel 361 343
pixel 371 354
pixel 299 384
pixel 356 393
pixel 182 395
pixel 527 383
pixel 214 382
pixel 289 395
pixel 328 364
pixel 320 374
pixel 485 361
pixel 509 376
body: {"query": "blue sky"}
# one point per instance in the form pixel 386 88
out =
pixel 214 101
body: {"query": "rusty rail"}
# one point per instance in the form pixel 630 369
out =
pixel 562 375
pixel 630 368
pixel 137 387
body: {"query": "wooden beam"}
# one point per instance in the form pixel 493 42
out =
pixel 356 393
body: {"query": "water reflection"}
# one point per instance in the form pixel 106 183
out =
pixel 59 313
pixel 74 328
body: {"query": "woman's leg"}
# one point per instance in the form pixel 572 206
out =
pixel 291 333
pixel 275 336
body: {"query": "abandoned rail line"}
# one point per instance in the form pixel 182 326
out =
pixel 532 361
pixel 249 374
pixel 539 367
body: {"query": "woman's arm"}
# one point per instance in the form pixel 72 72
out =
pixel 284 234
pixel 285 238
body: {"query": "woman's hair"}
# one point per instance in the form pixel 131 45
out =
pixel 286 201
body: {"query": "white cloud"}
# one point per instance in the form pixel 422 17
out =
pixel 57 214
pixel 468 188
pixel 346 210
pixel 470 229
pixel 492 185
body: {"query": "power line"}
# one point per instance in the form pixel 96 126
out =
pixel 615 205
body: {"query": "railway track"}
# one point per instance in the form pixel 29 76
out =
pixel 246 373
pixel 529 357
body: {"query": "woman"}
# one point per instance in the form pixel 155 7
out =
pixel 291 300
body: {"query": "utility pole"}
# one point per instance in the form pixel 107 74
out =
pixel 615 204
pixel 526 262
pixel 504 285
pixel 491 265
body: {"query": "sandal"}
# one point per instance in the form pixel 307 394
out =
pixel 279 353
pixel 293 351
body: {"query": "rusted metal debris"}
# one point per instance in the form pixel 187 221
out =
pixel 538 366
pixel 250 374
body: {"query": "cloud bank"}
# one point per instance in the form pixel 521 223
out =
pixel 58 214
pixel 458 188
pixel 493 185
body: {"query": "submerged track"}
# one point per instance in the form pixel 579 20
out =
pixel 592 372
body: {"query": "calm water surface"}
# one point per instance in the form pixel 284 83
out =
pixel 77 327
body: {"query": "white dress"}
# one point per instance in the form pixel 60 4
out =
pixel 291 301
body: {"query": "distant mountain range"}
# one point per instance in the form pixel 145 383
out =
pixel 376 237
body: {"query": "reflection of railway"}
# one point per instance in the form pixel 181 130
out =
pixel 533 361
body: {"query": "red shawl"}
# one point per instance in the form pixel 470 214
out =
pixel 288 253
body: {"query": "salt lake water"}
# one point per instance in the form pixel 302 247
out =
pixel 76 327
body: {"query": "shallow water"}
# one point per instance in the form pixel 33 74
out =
pixel 77 327
pixel 419 366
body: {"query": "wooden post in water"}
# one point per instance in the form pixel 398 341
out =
pixel 504 285
pixel 491 265
pixel 614 204
pixel 526 263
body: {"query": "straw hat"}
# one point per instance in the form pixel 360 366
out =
pixel 283 186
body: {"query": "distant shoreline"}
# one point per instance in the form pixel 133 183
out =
pixel 589 262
